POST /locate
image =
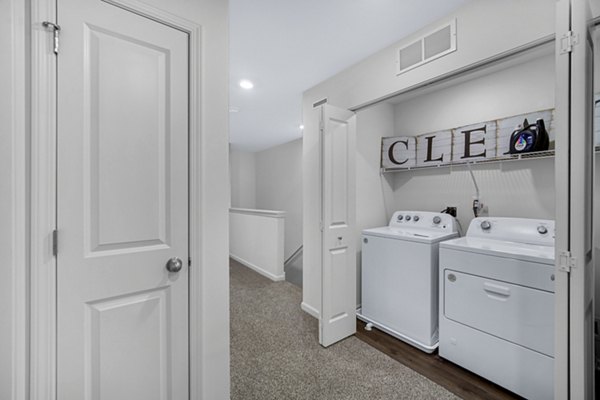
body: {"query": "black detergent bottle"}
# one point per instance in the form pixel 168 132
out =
pixel 529 137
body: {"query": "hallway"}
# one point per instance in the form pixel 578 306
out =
pixel 275 352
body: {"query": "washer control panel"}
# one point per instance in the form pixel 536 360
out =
pixel 424 220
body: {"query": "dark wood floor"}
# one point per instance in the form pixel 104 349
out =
pixel 457 380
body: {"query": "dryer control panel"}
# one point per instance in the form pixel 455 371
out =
pixel 521 230
pixel 424 220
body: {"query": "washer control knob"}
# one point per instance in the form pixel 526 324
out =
pixel 408 217
pixel 485 225
pixel 416 218
pixel 542 230
pixel 400 217
pixel 437 220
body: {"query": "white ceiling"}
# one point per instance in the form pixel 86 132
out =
pixel 287 46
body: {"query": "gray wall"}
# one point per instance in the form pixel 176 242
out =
pixel 242 170
pixel 279 187
pixel 374 192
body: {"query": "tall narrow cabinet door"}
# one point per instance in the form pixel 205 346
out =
pixel 338 221
pixel 574 355
pixel 122 205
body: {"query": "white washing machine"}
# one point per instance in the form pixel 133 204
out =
pixel 400 276
pixel 497 303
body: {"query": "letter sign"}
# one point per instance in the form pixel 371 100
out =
pixel 484 141
pixel 398 152
pixel 434 148
pixel 474 142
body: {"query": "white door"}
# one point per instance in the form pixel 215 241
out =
pixel 574 353
pixel 122 205
pixel 338 221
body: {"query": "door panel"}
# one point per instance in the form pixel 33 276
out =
pixel 140 218
pixel 110 325
pixel 338 296
pixel 122 205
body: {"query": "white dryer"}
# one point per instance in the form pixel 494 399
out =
pixel 400 276
pixel 497 303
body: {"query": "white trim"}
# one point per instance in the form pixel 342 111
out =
pixel 43 384
pixel 43 204
pixel 310 310
pixel 582 368
pixel 258 269
pixel 562 208
pixel 19 47
pixel 261 213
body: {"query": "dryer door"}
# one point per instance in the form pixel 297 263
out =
pixel 519 314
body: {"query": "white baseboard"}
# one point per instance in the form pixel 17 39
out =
pixel 310 310
pixel 258 269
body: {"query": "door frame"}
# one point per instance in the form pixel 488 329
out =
pixel 42 166
pixel 562 206
pixel 16 38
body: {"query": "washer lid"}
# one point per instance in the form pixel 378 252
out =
pixel 413 235
pixel 502 248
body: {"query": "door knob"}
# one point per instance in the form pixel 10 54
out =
pixel 174 264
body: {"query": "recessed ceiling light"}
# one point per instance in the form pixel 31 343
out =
pixel 301 127
pixel 246 84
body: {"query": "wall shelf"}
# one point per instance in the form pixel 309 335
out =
pixel 501 159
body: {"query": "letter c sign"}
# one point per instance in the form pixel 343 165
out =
pixel 391 152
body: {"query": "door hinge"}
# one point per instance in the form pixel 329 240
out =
pixel 55 31
pixel 189 261
pixel 567 41
pixel 321 226
pixel 565 261
pixel 55 243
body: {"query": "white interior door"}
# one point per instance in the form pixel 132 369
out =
pixel 338 222
pixel 122 205
pixel 574 353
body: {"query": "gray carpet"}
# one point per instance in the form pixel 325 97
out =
pixel 275 353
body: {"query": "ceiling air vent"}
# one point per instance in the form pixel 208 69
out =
pixel 437 43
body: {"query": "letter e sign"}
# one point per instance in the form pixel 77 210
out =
pixel 474 142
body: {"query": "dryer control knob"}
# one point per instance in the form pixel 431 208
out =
pixel 408 217
pixel 542 230
pixel 485 225
pixel 416 218
pixel 400 217
pixel 437 220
